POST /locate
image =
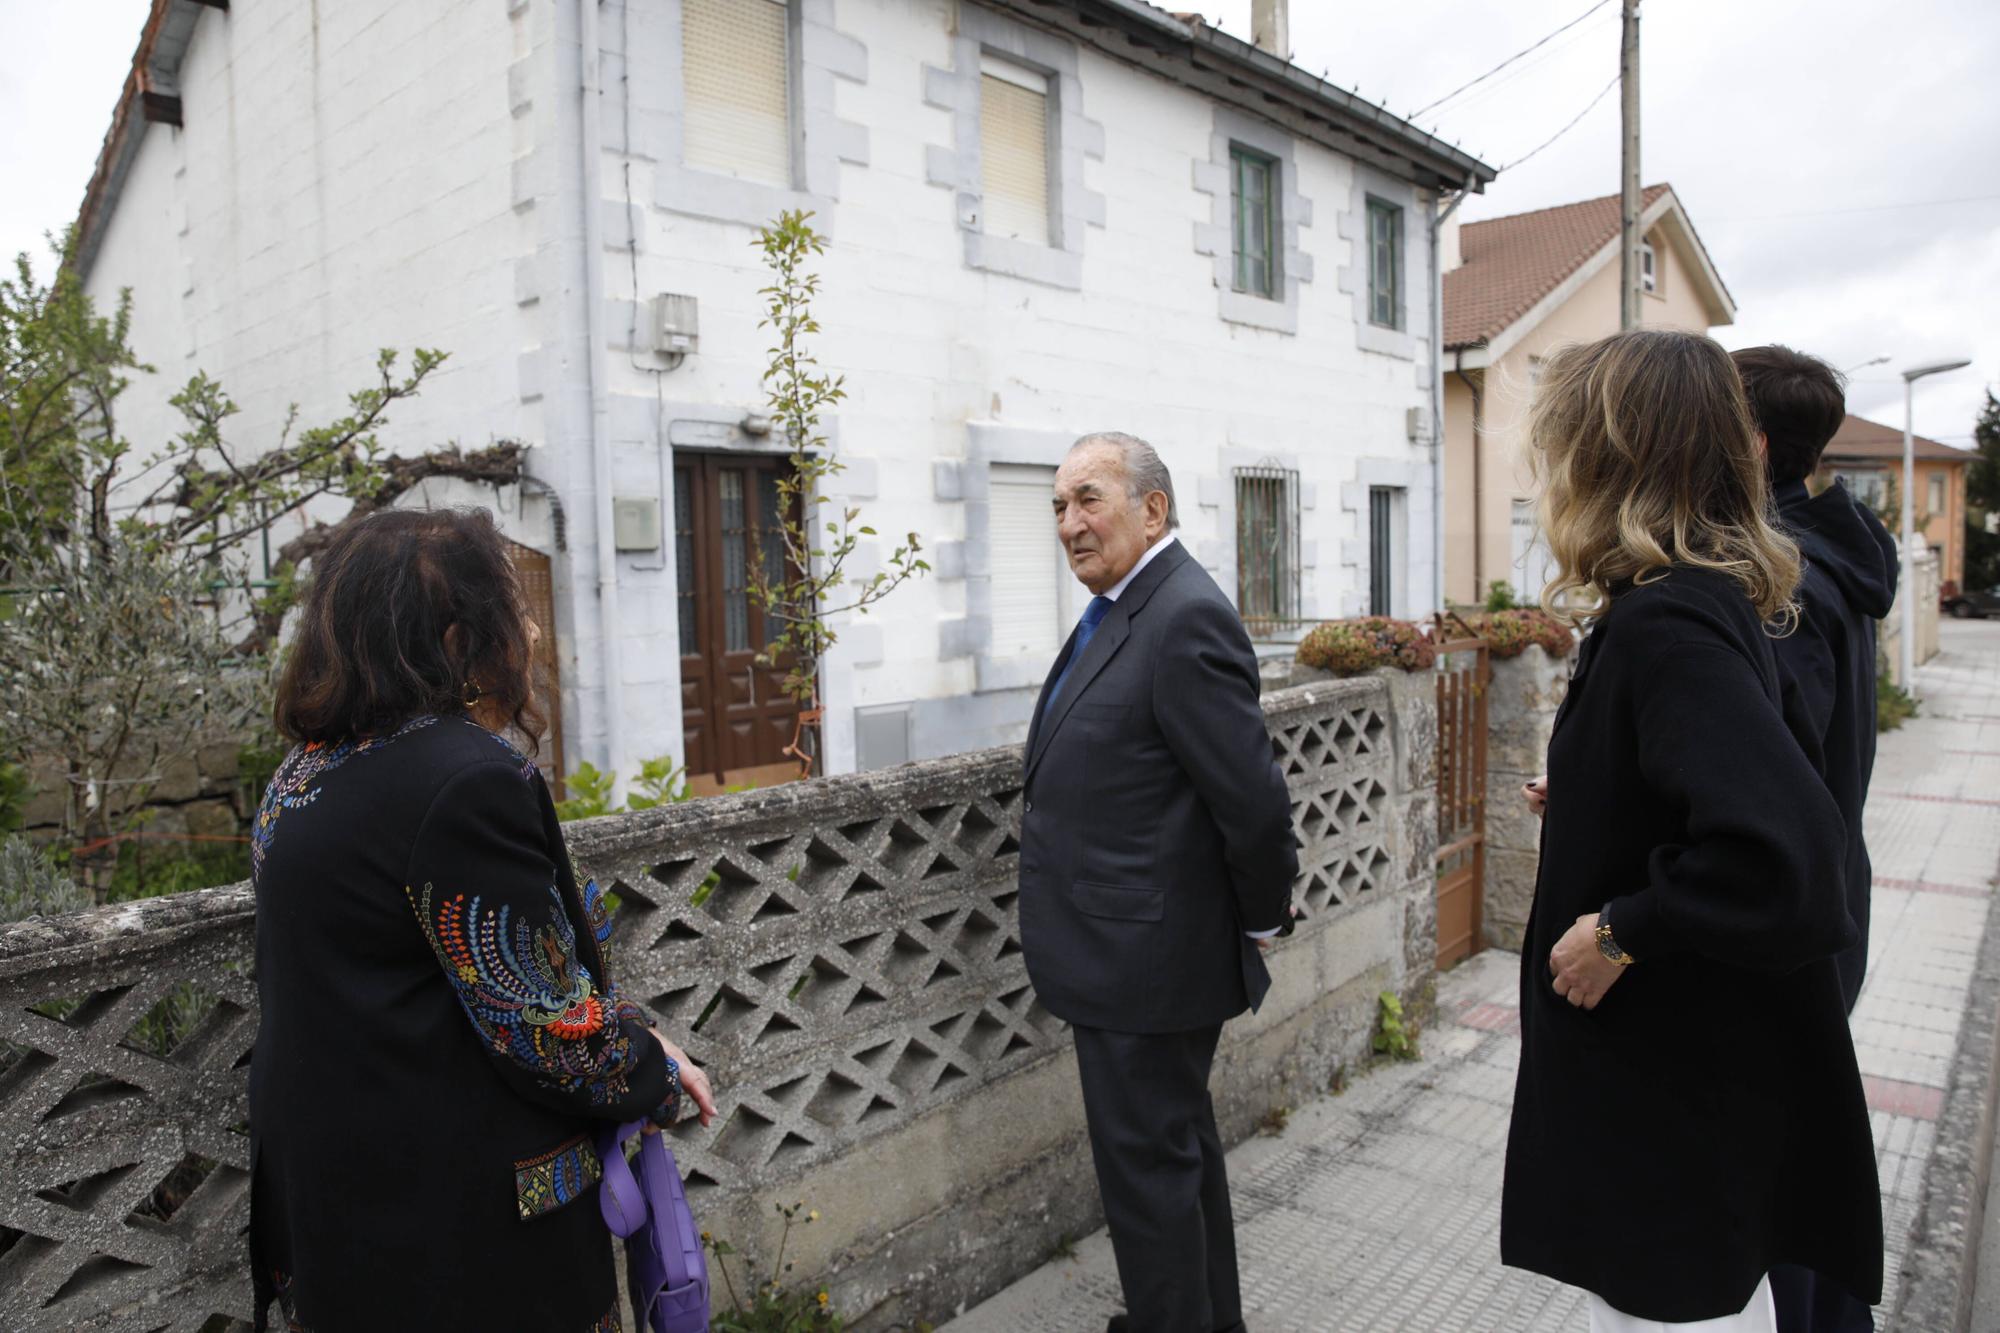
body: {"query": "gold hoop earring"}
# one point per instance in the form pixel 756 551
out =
pixel 472 694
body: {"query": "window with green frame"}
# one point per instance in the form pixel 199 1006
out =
pixel 1385 264
pixel 1253 194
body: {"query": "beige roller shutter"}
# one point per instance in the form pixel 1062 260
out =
pixel 737 76
pixel 1014 150
pixel 1027 563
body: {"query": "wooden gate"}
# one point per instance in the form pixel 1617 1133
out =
pixel 1461 856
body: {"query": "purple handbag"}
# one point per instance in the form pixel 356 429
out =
pixel 664 1263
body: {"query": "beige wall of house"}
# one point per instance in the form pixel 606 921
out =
pixel 1940 502
pixel 1503 479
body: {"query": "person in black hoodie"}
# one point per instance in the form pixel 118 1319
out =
pixel 1688 1113
pixel 1849 584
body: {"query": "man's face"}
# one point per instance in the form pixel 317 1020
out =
pixel 1103 529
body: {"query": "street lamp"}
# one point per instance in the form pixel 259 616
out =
pixel 1909 507
pixel 1876 361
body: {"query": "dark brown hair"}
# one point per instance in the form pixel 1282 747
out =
pixel 409 613
pixel 1648 460
pixel 1799 401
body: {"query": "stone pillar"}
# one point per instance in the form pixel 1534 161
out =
pixel 1521 709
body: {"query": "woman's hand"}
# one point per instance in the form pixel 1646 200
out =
pixel 694 1083
pixel 1537 795
pixel 1582 973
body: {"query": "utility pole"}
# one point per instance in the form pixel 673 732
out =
pixel 1629 239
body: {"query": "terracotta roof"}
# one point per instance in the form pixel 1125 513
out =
pixel 1508 264
pixel 1858 437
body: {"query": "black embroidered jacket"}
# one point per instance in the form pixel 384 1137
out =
pixel 439 1041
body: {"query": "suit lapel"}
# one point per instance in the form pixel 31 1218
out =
pixel 1110 637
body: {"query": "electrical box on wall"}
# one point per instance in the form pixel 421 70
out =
pixel 676 324
pixel 635 523
pixel 1417 424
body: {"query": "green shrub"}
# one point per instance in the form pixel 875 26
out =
pixel 1500 596
pixel 661 782
pixel 1509 632
pixel 770 1307
pixel 1351 647
pixel 32 885
pixel 1395 1035
pixel 14 793
pixel 1894 705
pixel 150 869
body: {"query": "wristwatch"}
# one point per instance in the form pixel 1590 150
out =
pixel 1608 946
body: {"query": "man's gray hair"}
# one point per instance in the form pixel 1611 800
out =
pixel 1144 472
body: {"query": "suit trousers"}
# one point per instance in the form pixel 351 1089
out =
pixel 1161 1176
pixel 1807 1303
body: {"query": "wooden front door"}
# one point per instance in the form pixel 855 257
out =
pixel 736 719
pixel 538 587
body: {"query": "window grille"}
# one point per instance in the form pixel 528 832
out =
pixel 736 70
pixel 1381 550
pixel 1014 150
pixel 1267 547
pixel 1385 264
pixel 1253 198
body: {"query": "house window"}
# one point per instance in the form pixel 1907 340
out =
pixel 1870 488
pixel 1027 569
pixel 1014 150
pixel 1649 268
pixel 1385 264
pixel 1937 495
pixel 1385 549
pixel 1253 200
pixel 1532 566
pixel 736 58
pixel 1267 546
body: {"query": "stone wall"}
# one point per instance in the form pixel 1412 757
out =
pixel 852 980
pixel 199 793
pixel 1520 713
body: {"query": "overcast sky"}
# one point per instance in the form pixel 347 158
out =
pixel 1840 158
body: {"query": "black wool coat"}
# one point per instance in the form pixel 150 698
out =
pixel 1705 1121
pixel 1158 828
pixel 1849 585
pixel 439 1041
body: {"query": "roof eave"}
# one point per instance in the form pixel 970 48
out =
pixel 1255 80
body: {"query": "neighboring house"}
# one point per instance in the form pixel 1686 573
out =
pixel 1044 218
pixel 1868 457
pixel 1516 288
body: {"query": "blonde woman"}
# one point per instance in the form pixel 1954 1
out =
pixel 1688 1112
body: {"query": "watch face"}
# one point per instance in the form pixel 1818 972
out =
pixel 1608 946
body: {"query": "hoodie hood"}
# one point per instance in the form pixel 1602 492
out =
pixel 1844 539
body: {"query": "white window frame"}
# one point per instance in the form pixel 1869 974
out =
pixel 1649 269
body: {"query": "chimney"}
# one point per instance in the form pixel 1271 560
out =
pixel 1271 27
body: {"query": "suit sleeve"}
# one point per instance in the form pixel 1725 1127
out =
pixel 1758 881
pixel 483 887
pixel 1205 697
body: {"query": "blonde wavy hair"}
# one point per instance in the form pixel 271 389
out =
pixel 1648 458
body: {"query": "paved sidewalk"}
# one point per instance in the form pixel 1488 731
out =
pixel 1379 1209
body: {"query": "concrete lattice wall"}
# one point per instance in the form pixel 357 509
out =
pixel 869 1024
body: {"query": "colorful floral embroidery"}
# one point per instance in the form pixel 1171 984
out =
pixel 527 993
pixel 296 783
pixel 608 1324
pixel 514 752
pixel 597 912
pixel 544 1184
pixel 282 1282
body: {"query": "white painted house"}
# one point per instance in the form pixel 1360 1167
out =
pixel 1045 217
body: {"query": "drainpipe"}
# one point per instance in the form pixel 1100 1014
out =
pixel 598 361
pixel 1437 396
pixel 1475 388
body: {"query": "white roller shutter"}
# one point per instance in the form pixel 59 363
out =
pixel 1027 562
pixel 1014 150
pixel 737 76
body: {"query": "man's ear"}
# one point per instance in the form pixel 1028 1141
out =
pixel 1156 515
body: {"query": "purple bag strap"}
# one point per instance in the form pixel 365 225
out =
pixel 626 1201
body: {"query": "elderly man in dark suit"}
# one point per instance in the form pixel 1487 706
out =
pixel 1157 861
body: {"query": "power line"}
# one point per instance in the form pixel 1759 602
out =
pixel 1511 59
pixel 1527 68
pixel 1565 129
pixel 1873 208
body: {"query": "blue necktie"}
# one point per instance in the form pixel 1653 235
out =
pixel 1093 616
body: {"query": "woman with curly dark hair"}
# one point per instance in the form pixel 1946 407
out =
pixel 439 1037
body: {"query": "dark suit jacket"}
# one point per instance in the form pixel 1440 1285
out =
pixel 1158 828
pixel 439 1041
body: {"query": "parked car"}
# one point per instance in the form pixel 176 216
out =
pixel 1968 605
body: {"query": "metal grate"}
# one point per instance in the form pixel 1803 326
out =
pixel 1267 547
pixel 1381 550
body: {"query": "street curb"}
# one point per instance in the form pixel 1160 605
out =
pixel 1941 1265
